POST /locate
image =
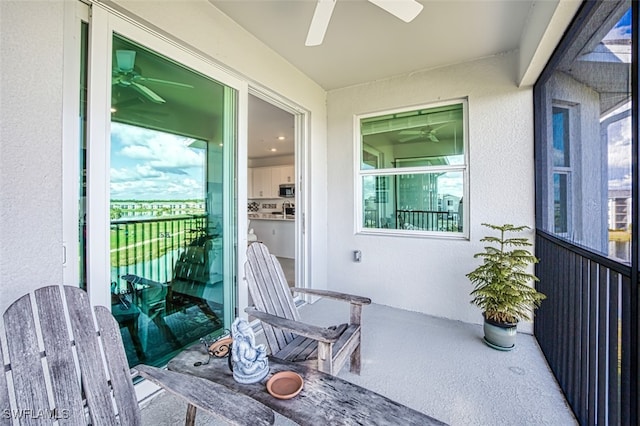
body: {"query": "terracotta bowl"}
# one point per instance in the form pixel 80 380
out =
pixel 285 385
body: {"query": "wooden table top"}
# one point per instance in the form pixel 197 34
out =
pixel 324 399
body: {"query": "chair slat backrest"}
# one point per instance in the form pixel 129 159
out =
pixel 270 292
pixel 75 364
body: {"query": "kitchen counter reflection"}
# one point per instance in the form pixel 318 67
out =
pixel 271 216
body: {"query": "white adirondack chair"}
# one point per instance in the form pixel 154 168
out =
pixel 327 349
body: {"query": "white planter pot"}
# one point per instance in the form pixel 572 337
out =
pixel 500 336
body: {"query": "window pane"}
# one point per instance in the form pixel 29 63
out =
pixel 561 137
pixel 171 147
pixel 433 135
pixel 560 203
pixel 418 202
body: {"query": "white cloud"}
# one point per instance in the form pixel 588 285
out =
pixel 619 33
pixel 619 154
pixel 148 164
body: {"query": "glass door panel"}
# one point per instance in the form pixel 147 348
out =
pixel 171 195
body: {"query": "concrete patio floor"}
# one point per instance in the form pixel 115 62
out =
pixel 436 366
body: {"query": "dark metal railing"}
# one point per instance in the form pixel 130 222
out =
pixel 584 329
pixel 427 220
pixel 150 247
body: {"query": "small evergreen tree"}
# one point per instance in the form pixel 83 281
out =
pixel 501 283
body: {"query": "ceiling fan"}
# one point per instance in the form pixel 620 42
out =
pixel 406 10
pixel 126 75
pixel 426 132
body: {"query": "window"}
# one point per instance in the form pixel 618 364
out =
pixel 562 133
pixel 412 175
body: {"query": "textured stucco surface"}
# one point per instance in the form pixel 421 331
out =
pixel 30 146
pixel 428 274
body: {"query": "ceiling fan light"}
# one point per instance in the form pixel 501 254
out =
pixel 125 59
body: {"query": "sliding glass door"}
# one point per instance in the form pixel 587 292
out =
pixel 158 227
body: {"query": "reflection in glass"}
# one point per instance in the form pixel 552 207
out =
pixel 561 137
pixel 434 135
pixel 427 198
pixel 560 200
pixel 170 272
pixel 588 114
pixel 415 202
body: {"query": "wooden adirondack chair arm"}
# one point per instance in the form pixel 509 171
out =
pixel 358 300
pixel 212 397
pixel 320 334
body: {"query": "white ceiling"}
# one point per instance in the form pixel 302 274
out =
pixel 364 43
pixel 267 124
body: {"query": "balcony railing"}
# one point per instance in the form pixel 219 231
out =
pixel 150 247
pixel 585 330
pixel 427 220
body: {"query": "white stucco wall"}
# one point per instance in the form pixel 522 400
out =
pixel 30 146
pixel 428 274
pixel 31 70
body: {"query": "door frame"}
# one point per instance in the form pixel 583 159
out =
pixel 301 132
pixel 103 22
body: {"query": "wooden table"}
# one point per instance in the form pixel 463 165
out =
pixel 324 400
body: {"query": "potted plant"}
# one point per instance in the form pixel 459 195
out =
pixel 502 285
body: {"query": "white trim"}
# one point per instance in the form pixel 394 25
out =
pixel 302 118
pixel 105 21
pixel 75 13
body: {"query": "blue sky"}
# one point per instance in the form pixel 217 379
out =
pixel 622 30
pixel 151 165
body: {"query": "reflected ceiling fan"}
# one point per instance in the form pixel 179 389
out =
pixel 406 10
pixel 426 132
pixel 126 75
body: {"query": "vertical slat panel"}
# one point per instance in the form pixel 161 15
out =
pixel 26 365
pixel 562 317
pixel 613 385
pixel 583 407
pixel 593 340
pixel 65 379
pixel 603 347
pixel 94 377
pixel 625 387
pixel 116 358
pixel 572 335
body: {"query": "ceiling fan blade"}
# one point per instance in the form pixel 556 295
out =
pixel 165 82
pixel 320 22
pixel 410 138
pixel 412 132
pixel 148 93
pixel 406 10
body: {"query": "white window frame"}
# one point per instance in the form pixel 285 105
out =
pixel 359 174
pixel 568 171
